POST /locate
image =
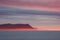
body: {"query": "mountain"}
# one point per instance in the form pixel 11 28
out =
pixel 15 26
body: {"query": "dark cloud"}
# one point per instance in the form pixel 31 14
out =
pixel 12 11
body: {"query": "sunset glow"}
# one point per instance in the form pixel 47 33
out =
pixel 35 29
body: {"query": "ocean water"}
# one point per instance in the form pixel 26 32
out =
pixel 29 35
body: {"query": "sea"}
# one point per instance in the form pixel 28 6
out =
pixel 29 35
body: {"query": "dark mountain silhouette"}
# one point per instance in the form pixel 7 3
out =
pixel 15 26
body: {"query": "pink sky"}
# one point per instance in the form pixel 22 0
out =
pixel 40 5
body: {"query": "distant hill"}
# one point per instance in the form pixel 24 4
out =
pixel 15 26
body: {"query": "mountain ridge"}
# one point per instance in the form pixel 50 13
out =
pixel 15 26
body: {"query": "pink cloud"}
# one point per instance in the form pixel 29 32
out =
pixel 43 5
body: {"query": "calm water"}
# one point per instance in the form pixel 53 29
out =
pixel 29 35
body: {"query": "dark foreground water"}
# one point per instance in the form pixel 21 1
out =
pixel 29 35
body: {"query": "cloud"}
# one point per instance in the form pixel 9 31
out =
pixel 42 5
pixel 14 11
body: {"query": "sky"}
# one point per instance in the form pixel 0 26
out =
pixel 37 13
